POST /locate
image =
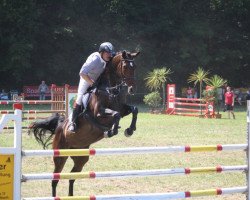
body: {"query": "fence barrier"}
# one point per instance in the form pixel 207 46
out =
pixel 16 176
pixel 187 106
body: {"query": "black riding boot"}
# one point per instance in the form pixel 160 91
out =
pixel 76 112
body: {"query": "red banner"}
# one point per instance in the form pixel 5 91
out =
pixel 32 91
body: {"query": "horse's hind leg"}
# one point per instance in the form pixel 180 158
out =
pixel 59 163
pixel 79 162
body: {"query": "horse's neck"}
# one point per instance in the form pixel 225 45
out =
pixel 114 74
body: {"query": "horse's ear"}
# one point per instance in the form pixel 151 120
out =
pixel 135 54
pixel 124 54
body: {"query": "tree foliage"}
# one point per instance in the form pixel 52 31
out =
pixel 199 76
pixel 215 82
pixel 157 78
pixel 51 39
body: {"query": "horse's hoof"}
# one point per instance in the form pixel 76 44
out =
pixel 106 134
pixel 128 132
pixel 110 133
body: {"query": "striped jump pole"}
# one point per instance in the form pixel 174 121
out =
pixel 188 109
pixel 135 150
pixel 154 196
pixel 188 99
pixel 32 111
pixel 31 102
pixel 190 104
pixel 132 173
pixel 12 127
pixel 248 150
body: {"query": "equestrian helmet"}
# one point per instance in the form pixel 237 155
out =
pixel 107 47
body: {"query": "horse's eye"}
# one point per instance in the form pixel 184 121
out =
pixel 131 64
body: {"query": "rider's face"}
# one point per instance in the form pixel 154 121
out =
pixel 106 56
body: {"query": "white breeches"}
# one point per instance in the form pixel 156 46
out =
pixel 82 88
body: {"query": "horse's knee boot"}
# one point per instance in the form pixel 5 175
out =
pixel 135 110
pixel 117 117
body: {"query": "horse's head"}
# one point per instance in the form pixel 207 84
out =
pixel 124 65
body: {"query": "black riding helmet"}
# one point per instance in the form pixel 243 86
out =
pixel 107 47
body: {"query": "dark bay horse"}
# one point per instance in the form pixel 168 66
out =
pixel 106 106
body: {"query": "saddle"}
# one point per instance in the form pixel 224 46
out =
pixel 87 114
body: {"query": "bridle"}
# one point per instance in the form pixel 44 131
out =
pixel 115 90
pixel 131 65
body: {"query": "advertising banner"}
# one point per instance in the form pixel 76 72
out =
pixel 6 176
pixel 72 99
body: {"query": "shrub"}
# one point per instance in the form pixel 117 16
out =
pixel 153 100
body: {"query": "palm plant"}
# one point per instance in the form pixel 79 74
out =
pixel 157 79
pixel 216 82
pixel 199 76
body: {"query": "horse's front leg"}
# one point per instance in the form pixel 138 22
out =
pixel 126 110
pixel 59 163
pixel 115 118
pixel 79 162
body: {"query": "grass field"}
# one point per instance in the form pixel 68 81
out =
pixel 152 130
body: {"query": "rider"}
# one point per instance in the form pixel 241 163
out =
pixel 89 73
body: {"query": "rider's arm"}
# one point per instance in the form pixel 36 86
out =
pixel 92 65
pixel 87 78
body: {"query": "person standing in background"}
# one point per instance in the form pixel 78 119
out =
pixel 42 89
pixel 229 102
pixel 248 95
pixel 189 93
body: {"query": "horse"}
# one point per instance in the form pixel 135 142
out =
pixel 106 106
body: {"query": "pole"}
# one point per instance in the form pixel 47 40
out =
pixel 248 151
pixel 17 155
pixel 66 100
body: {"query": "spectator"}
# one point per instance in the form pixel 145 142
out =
pixel 248 95
pixel 189 93
pixel 195 93
pixel 42 89
pixel 239 97
pixel 229 102
pixel 4 95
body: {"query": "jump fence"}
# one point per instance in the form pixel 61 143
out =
pixel 187 106
pixel 13 190
pixel 58 104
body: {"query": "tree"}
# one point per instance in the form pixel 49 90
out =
pixel 157 79
pixel 215 82
pixel 199 76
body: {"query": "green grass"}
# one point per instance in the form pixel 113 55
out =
pixel 152 130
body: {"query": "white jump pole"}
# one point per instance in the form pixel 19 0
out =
pixel 15 150
pixel 248 151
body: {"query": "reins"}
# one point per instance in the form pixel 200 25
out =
pixel 115 90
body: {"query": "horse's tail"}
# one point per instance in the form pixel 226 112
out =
pixel 45 129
